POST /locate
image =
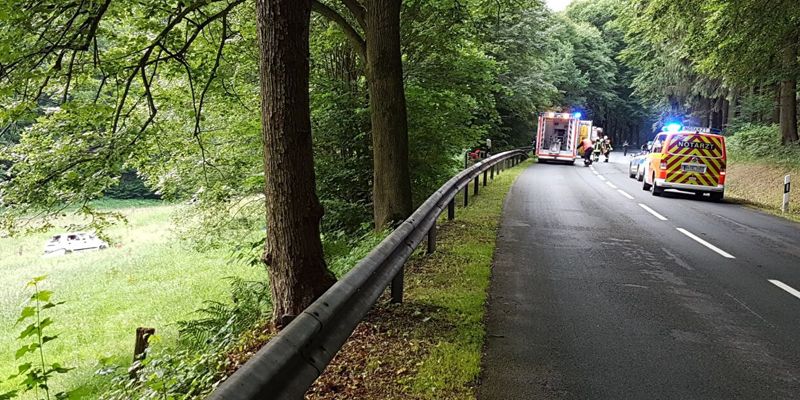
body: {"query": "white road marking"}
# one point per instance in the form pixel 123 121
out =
pixel 602 178
pixel 651 211
pixel 613 186
pixel 595 172
pixel 785 287
pixel 622 192
pixel 704 243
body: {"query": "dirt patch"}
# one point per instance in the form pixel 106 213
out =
pixel 382 354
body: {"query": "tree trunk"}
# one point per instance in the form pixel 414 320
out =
pixel 776 108
pixel 725 110
pixel 392 179
pixel 788 102
pixel 293 253
pixel 717 113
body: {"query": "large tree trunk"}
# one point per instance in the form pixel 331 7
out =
pixel 293 254
pixel 392 180
pixel 788 114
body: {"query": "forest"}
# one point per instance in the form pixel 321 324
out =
pixel 360 111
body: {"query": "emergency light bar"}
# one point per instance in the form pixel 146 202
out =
pixel 551 114
pixel 701 130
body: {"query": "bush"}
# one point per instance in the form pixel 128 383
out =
pixel 753 142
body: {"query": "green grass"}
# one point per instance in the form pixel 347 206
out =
pixel 148 278
pixel 455 279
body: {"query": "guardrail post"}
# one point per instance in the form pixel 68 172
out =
pixel 476 184
pixel 466 194
pixel 397 286
pixel 451 210
pixel 491 173
pixel 432 239
pixel 484 178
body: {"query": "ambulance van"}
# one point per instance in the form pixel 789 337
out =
pixel 687 160
pixel 557 136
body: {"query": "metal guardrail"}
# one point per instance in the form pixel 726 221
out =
pixel 292 360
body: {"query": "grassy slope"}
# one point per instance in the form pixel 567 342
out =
pixel 456 279
pixel 760 184
pixel 148 279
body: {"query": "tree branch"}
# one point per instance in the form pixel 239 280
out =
pixel 358 11
pixel 355 38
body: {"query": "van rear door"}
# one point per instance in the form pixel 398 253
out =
pixel 695 159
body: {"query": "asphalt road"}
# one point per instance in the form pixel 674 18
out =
pixel 595 297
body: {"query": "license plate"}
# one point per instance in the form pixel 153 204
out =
pixel 699 168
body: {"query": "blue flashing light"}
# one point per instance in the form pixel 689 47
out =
pixel 673 127
pixel 577 115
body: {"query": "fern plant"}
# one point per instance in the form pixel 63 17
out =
pixel 250 303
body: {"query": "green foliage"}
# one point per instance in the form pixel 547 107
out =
pixel 342 139
pixel 604 89
pixel 171 374
pixel 691 58
pixel 343 253
pixel 35 373
pixel 762 143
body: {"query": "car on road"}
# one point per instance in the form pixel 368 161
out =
pixel 636 166
pixel 686 159
pixel 73 242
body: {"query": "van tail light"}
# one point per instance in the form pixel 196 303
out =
pixel 662 170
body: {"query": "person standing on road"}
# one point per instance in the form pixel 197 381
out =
pixel 585 148
pixel 625 148
pixel 605 147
